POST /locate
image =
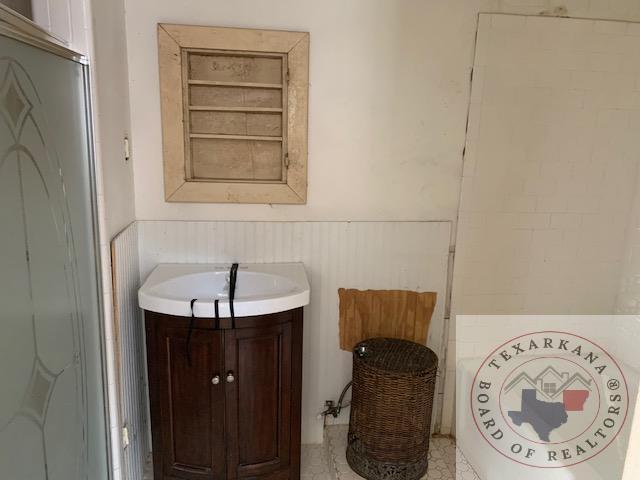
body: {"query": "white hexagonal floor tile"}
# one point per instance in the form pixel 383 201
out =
pixel 445 460
pixel 328 461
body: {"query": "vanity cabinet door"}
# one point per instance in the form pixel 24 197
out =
pixel 188 403
pixel 259 401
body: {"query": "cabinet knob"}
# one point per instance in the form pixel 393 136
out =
pixel 216 380
pixel 230 377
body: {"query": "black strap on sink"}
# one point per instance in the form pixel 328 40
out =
pixel 233 275
pixel 217 314
pixel 190 332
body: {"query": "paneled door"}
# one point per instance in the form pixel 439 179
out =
pixel 52 415
pixel 225 403
pixel 258 364
pixel 189 381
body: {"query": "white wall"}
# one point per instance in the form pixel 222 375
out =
pixel 96 28
pixel 111 104
pixel 106 51
pixel 387 105
pixel 388 100
pixel 389 97
pixel 628 300
pixel 66 20
pixel 632 462
pixel 550 168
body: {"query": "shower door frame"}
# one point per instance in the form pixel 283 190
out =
pixel 16 26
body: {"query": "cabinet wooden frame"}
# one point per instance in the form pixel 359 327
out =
pixel 174 42
pixel 244 428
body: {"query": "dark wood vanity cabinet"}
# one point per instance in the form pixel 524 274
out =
pixel 228 405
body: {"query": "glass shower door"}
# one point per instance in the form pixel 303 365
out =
pixel 52 420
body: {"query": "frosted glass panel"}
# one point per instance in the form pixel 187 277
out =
pixel 52 423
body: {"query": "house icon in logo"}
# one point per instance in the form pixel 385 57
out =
pixel 541 406
pixel 550 383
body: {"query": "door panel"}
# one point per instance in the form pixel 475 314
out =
pixel 258 360
pixel 259 399
pixel 191 405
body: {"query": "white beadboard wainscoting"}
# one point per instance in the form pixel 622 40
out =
pixel 376 255
pixel 131 361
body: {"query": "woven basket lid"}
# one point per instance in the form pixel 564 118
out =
pixel 395 355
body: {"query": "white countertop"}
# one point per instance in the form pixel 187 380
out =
pixel 261 288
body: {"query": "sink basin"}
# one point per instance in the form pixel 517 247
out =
pixel 261 288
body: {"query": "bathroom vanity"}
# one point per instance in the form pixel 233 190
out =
pixel 225 401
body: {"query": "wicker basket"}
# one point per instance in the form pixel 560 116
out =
pixel 390 423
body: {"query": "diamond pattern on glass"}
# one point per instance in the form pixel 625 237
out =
pixel 39 392
pixel 52 401
pixel 14 104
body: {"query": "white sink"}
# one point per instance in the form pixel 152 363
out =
pixel 261 288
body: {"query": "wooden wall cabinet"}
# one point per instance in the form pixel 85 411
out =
pixel 234 411
pixel 234 114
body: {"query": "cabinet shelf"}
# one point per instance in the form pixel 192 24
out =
pixel 234 114
pixel 205 108
pixel 236 137
pixel 219 83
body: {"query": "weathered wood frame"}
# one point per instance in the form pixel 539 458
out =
pixel 172 40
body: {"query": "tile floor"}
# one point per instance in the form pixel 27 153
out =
pixel 328 461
